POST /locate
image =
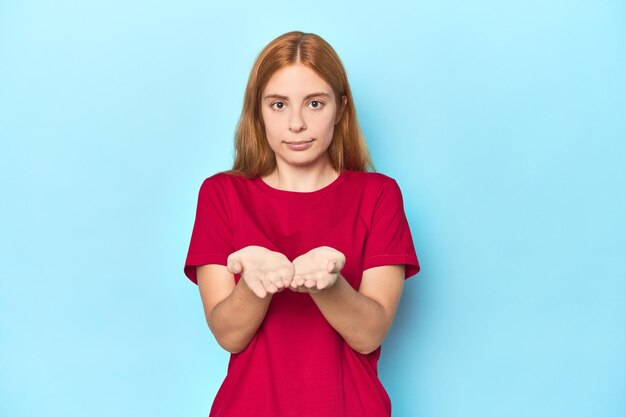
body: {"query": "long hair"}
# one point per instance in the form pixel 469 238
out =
pixel 253 155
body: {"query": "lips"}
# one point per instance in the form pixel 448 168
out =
pixel 300 145
pixel 299 142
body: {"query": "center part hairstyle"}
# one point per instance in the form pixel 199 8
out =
pixel 253 155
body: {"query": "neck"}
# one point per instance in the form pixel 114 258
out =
pixel 301 179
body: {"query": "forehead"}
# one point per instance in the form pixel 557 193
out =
pixel 296 80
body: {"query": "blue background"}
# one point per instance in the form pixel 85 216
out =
pixel 503 122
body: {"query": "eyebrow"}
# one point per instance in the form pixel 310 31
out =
pixel 320 94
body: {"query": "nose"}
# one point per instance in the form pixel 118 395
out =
pixel 296 122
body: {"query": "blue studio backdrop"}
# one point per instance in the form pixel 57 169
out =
pixel 504 124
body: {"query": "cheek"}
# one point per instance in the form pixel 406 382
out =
pixel 326 126
pixel 272 127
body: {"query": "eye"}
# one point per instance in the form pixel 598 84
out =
pixel 316 104
pixel 278 105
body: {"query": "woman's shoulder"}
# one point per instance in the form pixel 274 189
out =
pixel 223 177
pixel 371 179
pixel 375 186
pixel 225 181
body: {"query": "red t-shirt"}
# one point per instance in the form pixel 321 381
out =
pixel 297 364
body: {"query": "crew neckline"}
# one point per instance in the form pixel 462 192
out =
pixel 285 193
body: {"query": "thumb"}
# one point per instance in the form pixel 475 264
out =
pixel 234 266
pixel 332 267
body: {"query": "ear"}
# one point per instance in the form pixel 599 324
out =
pixel 344 102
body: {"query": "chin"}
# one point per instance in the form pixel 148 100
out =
pixel 300 162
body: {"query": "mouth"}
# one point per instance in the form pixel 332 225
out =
pixel 299 142
pixel 300 145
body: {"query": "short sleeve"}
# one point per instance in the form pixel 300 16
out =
pixel 211 237
pixel 389 240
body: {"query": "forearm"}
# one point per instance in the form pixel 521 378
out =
pixel 235 320
pixel 360 320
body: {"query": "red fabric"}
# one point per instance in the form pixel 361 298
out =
pixel 297 364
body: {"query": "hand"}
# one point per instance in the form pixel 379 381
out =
pixel 317 269
pixel 263 270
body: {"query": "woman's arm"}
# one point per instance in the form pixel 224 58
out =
pixel 363 317
pixel 234 312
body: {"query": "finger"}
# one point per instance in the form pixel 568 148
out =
pixel 276 279
pixel 269 286
pixel 234 266
pixel 286 281
pixel 334 267
pixel 310 282
pixel 297 288
pixel 323 283
pixel 287 270
pixel 301 280
pixel 286 274
pixel 257 287
pixel 297 281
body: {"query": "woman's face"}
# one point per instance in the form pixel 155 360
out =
pixel 300 112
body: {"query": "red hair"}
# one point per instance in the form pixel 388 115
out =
pixel 253 155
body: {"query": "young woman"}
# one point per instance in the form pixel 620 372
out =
pixel 300 252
